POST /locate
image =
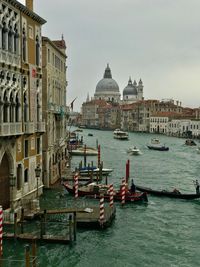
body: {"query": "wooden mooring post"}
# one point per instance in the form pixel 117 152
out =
pixel 27 256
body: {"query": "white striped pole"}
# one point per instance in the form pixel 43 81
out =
pixel 123 191
pixel 76 185
pixel 1 231
pixel 111 195
pixel 101 213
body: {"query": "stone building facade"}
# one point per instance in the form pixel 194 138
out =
pixel 54 109
pixel 21 124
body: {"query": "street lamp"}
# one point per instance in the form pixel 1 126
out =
pixel 37 174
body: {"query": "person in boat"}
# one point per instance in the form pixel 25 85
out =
pixel 132 186
pixel 176 191
pixel 197 186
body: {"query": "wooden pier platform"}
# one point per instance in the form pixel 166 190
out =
pixel 91 219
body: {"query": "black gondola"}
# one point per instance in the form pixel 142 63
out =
pixel 165 193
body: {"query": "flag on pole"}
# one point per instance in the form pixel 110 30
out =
pixel 72 104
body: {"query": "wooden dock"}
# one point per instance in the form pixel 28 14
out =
pixel 91 219
pixel 77 217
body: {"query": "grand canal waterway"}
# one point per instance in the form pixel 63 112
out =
pixel 164 232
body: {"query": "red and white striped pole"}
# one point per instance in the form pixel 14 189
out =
pixel 101 210
pixel 76 185
pixel 123 191
pixel 1 231
pixel 111 195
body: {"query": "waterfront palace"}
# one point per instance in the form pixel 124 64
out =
pixel 33 111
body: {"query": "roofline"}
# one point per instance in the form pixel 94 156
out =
pixel 46 39
pixel 26 11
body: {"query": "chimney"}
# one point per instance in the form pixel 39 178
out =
pixel 29 4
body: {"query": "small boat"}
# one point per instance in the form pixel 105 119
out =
pixel 156 145
pixel 134 151
pixel 85 171
pixel 82 151
pixel 198 150
pixel 90 134
pixel 190 142
pixel 93 190
pixel 120 135
pixel 164 193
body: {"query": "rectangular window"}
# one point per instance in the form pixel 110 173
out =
pixel 26 149
pixel 38 145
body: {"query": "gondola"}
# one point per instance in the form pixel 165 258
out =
pixel 165 193
pixel 93 190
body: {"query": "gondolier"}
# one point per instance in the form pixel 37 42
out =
pixel 197 186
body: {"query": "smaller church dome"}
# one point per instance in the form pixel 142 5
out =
pixel 130 89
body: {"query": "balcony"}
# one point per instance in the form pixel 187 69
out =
pixel 9 58
pixel 10 128
pixel 40 127
pixel 28 127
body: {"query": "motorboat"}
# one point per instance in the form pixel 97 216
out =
pixel 87 171
pixel 90 134
pixel 82 151
pixel 120 135
pixel 156 145
pixel 134 151
pixel 164 193
pixel 190 142
pixel 94 190
pixel 198 150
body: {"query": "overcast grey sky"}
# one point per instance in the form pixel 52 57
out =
pixel 155 40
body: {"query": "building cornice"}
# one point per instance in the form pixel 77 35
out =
pixel 26 11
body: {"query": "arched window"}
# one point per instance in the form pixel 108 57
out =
pixel 25 108
pixel 4 36
pixel 12 108
pixel 24 45
pixel 10 40
pixel 17 108
pixel 37 51
pixel 16 39
pixel 5 108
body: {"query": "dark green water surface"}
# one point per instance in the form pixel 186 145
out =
pixel 165 232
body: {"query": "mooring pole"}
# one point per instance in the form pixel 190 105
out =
pixel 22 221
pixel 70 229
pixel 75 226
pixel 33 253
pixel 27 256
pixel 15 225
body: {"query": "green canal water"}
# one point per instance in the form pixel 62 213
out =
pixel 164 232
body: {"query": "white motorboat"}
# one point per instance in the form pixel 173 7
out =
pixel 121 135
pixel 134 151
pixel 156 145
pixel 82 151
pixel 95 171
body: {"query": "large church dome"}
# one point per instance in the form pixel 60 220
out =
pixel 107 88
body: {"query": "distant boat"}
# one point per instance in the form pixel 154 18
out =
pixel 134 151
pixel 156 145
pixel 190 142
pixel 198 150
pixel 90 134
pixel 120 135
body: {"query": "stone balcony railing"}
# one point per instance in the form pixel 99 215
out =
pixel 9 58
pixel 10 128
pixel 40 127
pixel 29 127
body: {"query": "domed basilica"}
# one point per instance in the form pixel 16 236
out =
pixel 108 89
